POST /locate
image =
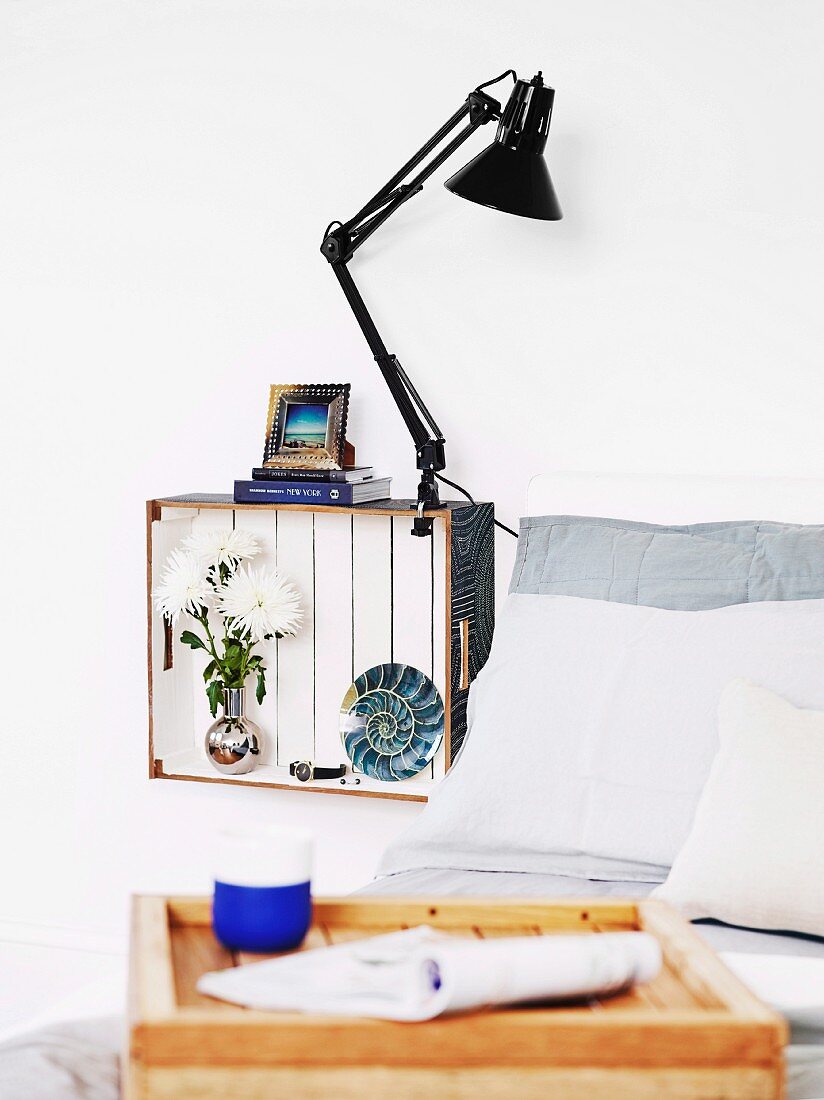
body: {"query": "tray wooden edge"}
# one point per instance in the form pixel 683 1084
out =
pixel 701 968
pixel 151 991
pixel 377 910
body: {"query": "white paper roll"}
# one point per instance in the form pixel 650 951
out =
pixel 421 973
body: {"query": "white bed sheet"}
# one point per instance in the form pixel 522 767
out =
pixel 75 1060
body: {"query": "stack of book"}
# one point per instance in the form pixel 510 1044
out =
pixel 352 485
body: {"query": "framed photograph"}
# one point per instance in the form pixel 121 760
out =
pixel 306 426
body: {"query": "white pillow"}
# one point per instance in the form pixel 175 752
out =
pixel 755 855
pixel 592 731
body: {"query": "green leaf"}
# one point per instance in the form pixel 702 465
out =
pixel 234 657
pixel 188 638
pixel 254 662
pixel 215 694
pixel 260 690
pixel 209 671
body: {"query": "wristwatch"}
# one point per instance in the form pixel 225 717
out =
pixel 305 771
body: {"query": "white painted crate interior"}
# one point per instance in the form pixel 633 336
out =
pixel 371 594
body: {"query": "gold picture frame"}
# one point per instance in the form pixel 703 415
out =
pixel 306 426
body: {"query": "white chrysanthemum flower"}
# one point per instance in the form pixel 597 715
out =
pixel 261 601
pixel 223 546
pixel 183 586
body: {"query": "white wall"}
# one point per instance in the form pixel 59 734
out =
pixel 167 171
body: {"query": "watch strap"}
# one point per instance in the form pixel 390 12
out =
pixel 319 773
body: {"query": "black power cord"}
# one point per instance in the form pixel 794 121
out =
pixel 471 499
pixel 486 83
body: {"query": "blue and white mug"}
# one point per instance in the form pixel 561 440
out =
pixel 263 898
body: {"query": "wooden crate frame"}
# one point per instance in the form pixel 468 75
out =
pixel 695 1033
pixel 468 623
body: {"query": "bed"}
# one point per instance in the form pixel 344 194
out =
pixel 662 500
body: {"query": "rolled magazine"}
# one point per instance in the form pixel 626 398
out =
pixel 421 973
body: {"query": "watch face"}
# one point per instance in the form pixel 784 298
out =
pixel 303 771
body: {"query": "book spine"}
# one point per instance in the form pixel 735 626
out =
pixel 266 473
pixel 278 492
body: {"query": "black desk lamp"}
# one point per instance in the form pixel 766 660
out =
pixel 510 175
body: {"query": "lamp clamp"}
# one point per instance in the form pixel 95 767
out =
pixel 428 496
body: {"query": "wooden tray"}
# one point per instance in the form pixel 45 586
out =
pixel 695 1032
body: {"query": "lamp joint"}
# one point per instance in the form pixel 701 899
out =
pixel 334 245
pixel 432 455
pixel 482 108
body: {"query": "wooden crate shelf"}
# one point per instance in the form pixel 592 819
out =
pixel 371 594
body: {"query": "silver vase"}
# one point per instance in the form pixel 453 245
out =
pixel 234 742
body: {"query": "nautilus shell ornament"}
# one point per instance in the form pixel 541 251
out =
pixel 391 722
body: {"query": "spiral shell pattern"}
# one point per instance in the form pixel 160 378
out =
pixel 391 722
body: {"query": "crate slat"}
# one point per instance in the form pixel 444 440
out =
pixel 413 609
pixel 333 632
pixel 295 689
pixel 170 695
pixel 372 579
pixel 197 660
pixel 264 525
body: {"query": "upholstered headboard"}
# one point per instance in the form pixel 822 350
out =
pixel 675 499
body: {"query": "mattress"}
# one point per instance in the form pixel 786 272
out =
pixel 805 1055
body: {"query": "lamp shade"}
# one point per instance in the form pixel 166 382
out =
pixel 511 174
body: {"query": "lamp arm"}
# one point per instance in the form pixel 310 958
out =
pixel 479 108
pixel 381 196
pixel 411 407
pixel 340 242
